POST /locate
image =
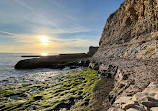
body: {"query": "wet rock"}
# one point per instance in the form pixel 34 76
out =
pixel 37 97
pixel 54 62
pixel 5 80
pixel 96 66
pixel 85 63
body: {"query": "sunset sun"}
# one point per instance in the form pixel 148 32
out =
pixel 44 54
pixel 44 40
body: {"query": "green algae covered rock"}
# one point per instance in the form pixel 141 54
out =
pixel 71 92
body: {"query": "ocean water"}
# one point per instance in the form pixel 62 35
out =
pixel 8 61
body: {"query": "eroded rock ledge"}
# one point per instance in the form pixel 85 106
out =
pixel 132 77
pixel 147 100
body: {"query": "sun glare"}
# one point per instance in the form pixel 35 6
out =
pixel 44 54
pixel 44 40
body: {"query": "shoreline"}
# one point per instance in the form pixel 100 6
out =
pixel 36 76
pixel 78 90
pixel 57 61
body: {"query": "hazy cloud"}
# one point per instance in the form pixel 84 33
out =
pixel 70 25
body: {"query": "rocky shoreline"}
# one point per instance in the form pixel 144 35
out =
pixel 132 91
pixel 79 89
pixel 128 52
pixel 112 89
pixel 126 61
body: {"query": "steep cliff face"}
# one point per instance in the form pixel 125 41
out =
pixel 131 22
pixel 129 43
pixel 134 25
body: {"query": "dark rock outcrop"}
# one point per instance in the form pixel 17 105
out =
pixel 54 62
pixel 72 60
pixel 92 50
pixel 128 50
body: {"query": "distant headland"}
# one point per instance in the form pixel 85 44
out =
pixel 55 61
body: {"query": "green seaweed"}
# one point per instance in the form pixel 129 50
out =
pixel 72 91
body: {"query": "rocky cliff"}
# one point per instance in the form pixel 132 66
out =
pixel 134 25
pixel 128 52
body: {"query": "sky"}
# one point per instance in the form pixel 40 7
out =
pixel 52 26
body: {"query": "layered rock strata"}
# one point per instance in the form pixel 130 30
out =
pixel 147 100
pixel 128 52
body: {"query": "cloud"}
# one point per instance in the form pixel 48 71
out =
pixel 8 33
pixel 54 41
pixel 23 21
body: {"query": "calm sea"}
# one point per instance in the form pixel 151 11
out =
pixel 8 61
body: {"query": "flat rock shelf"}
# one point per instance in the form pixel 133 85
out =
pixel 78 90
